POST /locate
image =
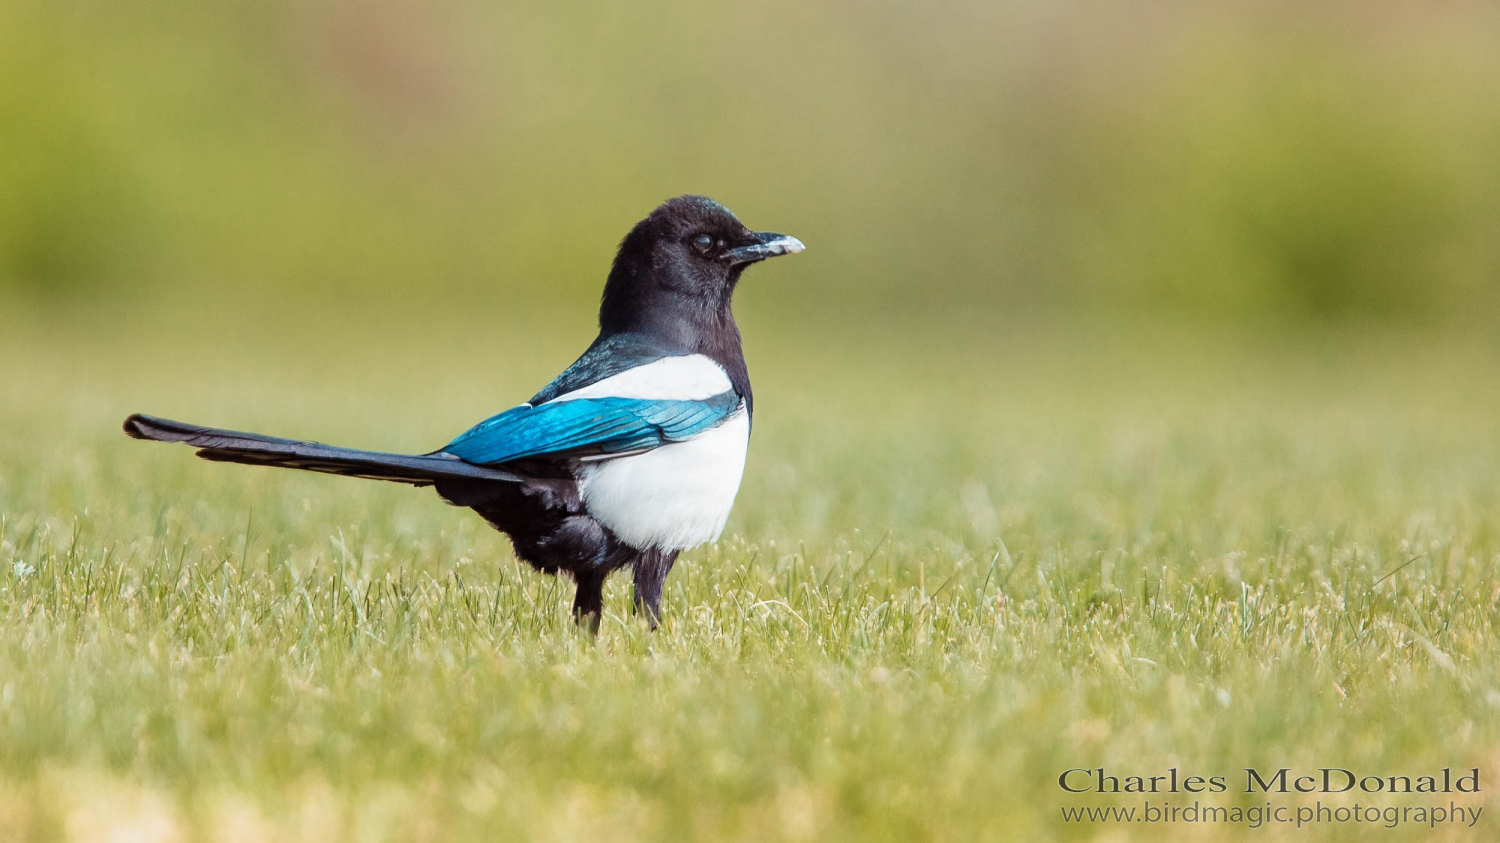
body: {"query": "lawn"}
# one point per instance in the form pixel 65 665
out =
pixel 961 563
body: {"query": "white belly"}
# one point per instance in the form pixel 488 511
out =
pixel 675 497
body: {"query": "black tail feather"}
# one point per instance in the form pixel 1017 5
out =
pixel 255 449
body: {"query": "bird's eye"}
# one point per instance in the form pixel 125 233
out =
pixel 703 243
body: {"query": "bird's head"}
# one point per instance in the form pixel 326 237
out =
pixel 683 261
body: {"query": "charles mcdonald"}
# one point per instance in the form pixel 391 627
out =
pixel 1283 780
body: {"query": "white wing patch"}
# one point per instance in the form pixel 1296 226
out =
pixel 676 496
pixel 689 378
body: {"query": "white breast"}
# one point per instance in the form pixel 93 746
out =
pixel 674 497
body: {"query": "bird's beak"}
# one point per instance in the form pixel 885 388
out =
pixel 767 244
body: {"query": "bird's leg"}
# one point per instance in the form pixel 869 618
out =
pixel 588 600
pixel 651 569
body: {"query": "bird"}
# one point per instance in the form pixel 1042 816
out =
pixel 629 457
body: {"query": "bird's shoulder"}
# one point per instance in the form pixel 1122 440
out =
pixel 625 394
pixel 633 366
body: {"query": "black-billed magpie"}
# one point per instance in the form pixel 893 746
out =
pixel 630 456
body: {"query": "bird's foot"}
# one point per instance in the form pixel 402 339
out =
pixel 588 620
pixel 651 569
pixel 588 601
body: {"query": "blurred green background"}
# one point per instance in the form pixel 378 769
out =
pixel 1244 164
pixel 1195 306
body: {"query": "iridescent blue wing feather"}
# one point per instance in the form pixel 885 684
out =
pixel 585 427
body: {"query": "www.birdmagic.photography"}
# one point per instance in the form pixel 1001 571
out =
pixel 749 423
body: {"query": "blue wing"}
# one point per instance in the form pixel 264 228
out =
pixel 589 426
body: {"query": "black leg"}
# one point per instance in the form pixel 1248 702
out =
pixel 588 601
pixel 651 569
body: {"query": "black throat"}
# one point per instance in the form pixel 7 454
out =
pixel 674 319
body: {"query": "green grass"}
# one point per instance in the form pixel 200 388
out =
pixel 954 571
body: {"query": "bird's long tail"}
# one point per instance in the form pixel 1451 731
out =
pixel 255 449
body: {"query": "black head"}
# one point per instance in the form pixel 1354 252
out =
pixel 677 269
